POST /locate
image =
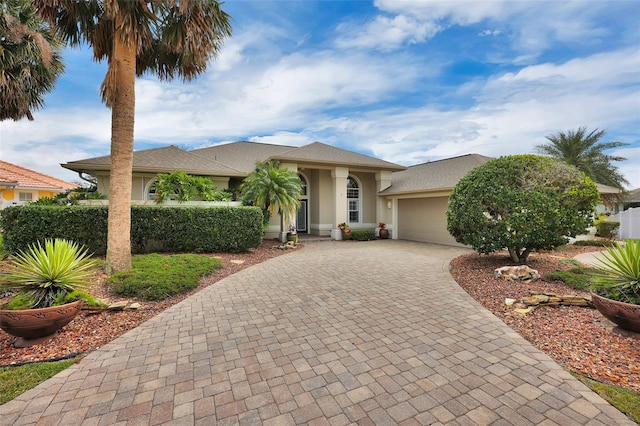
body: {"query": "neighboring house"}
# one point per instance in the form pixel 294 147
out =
pixel 339 185
pixel 632 199
pixel 19 185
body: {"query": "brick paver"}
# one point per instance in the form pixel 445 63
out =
pixel 335 333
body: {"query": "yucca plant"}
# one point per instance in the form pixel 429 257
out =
pixel 617 275
pixel 48 274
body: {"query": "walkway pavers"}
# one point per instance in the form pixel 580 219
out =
pixel 370 333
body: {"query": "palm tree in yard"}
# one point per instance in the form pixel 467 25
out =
pixel 586 152
pixel 162 37
pixel 29 60
pixel 275 189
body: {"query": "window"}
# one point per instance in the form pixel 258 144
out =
pixel 303 182
pixel 25 196
pixel 353 200
pixel 151 190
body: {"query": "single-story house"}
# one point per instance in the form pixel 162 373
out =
pixel 339 185
pixel 19 185
pixel 632 199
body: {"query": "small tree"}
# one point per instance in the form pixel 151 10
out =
pixel 521 203
pixel 183 187
pixel 274 189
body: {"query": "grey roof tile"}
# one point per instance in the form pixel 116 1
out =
pixel 242 155
pixel 161 160
pixel 435 175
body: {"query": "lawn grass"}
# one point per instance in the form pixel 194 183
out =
pixel 17 380
pixel 625 400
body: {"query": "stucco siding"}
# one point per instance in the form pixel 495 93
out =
pixel 424 220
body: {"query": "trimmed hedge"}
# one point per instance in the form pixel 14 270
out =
pixel 153 228
pixel 363 234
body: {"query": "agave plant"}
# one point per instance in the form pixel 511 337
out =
pixel 48 274
pixel 617 276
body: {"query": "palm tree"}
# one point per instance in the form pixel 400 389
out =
pixel 586 153
pixel 163 37
pixel 275 189
pixel 29 60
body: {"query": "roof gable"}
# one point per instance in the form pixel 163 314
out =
pixel 27 178
pixel 320 153
pixel 161 160
pixel 242 155
pixel 435 175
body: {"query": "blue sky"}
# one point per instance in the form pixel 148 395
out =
pixel 405 81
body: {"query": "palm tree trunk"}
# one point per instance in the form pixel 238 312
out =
pixel 122 123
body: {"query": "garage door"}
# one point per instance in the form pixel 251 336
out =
pixel 425 220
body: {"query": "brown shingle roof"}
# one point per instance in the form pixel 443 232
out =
pixel 27 178
pixel 435 175
pixel 320 153
pixel 161 160
pixel 242 155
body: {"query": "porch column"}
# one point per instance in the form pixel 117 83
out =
pixel 339 177
pixel 383 210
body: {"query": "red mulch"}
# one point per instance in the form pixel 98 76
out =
pixel 578 338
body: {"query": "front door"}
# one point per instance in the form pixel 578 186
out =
pixel 301 220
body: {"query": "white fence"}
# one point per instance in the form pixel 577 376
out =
pixel 629 223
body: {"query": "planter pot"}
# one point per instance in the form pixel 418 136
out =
pixel 292 237
pixel 384 233
pixel 34 326
pixel 625 315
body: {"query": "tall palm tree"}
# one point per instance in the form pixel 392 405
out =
pixel 275 189
pixel 586 153
pixel 163 37
pixel 29 60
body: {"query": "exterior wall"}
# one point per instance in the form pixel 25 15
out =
pixel 11 197
pixel 321 203
pixel 424 220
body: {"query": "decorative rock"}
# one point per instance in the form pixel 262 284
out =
pixel 524 312
pixel 517 273
pixel 118 306
pixel 237 261
pixel 135 306
pixel 509 302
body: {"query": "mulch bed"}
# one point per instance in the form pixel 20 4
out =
pixel 578 338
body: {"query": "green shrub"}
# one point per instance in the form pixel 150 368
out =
pixel 520 203
pixel 363 234
pixel 607 229
pixel 577 278
pixel 156 277
pixel 594 243
pixel 153 228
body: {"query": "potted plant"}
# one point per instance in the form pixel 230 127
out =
pixel 383 232
pixel 616 286
pixel 346 232
pixel 49 284
pixel 292 235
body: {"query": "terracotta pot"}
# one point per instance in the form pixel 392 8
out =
pixel 384 233
pixel 38 323
pixel 625 315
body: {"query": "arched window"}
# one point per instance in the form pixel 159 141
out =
pixel 353 200
pixel 303 182
pixel 151 190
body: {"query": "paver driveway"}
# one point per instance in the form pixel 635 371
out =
pixel 335 333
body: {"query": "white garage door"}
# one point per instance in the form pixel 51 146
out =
pixel 425 220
